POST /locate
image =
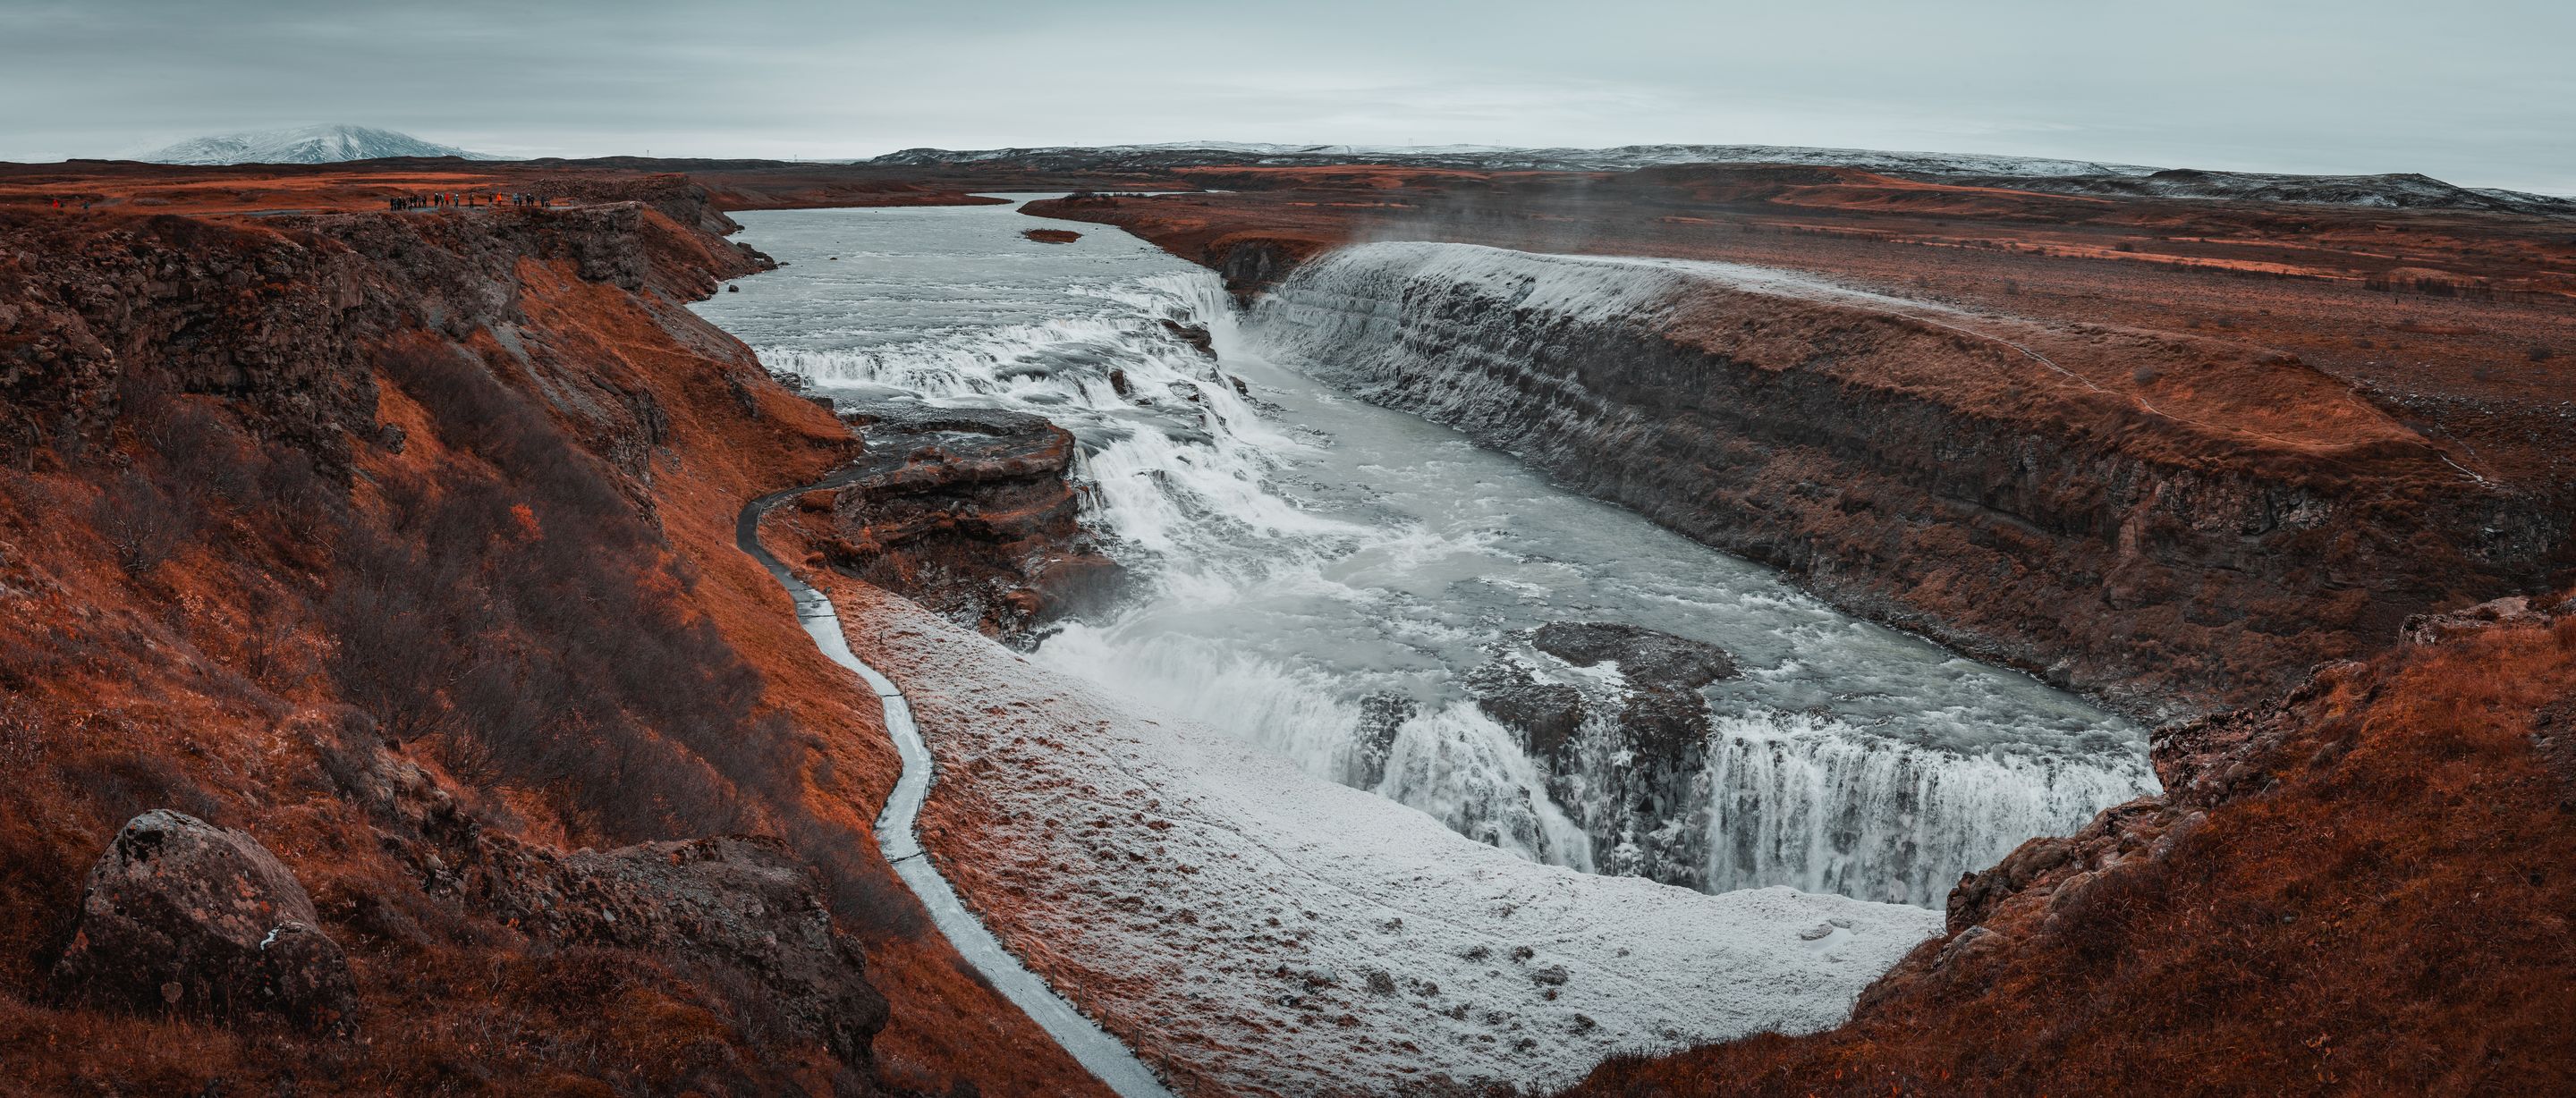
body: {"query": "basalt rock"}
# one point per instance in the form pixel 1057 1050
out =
pixel 182 915
pixel 1544 714
pixel 741 905
pixel 1196 335
pixel 1629 764
pixel 1382 715
pixel 971 512
pixel 1931 476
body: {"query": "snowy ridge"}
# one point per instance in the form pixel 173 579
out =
pixel 2402 190
pixel 329 144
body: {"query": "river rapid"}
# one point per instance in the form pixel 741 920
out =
pixel 1331 580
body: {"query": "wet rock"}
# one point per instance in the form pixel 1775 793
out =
pixel 1647 658
pixel 180 914
pixel 1381 715
pixel 1545 714
pixel 973 513
pixel 1635 783
pixel 1196 335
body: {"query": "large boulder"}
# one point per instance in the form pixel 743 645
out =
pixel 744 913
pixel 738 901
pixel 182 915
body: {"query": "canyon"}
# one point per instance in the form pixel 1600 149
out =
pixel 391 555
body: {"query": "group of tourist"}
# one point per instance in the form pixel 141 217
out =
pixel 453 199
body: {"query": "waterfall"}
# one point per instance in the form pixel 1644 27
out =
pixel 1321 577
pixel 1877 805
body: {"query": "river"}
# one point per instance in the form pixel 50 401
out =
pixel 1328 579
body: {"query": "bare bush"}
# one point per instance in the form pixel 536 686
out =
pixel 141 524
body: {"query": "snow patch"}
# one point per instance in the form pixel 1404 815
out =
pixel 331 144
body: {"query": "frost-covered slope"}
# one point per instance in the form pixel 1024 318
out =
pixel 1254 930
pixel 305 145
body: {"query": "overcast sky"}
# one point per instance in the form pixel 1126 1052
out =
pixel 2480 92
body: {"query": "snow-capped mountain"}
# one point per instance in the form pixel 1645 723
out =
pixel 305 145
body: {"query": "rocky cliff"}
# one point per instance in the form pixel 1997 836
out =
pixel 388 554
pixel 2174 525
pixel 973 513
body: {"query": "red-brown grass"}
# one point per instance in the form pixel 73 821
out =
pixel 2388 913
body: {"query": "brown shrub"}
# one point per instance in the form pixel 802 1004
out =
pixel 141 524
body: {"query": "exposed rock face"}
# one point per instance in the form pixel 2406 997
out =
pixel 1382 715
pixel 278 318
pixel 1630 764
pixel 972 513
pixel 742 902
pixel 1926 473
pixel 738 903
pixel 182 915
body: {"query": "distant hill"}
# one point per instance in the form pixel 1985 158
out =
pixel 2022 172
pixel 1504 158
pixel 306 145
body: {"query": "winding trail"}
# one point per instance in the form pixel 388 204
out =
pixel 1098 1052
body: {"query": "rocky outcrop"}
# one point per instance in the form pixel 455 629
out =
pixel 970 512
pixel 185 916
pixel 1630 764
pixel 741 905
pixel 281 318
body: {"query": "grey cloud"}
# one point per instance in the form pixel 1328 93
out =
pixel 2479 93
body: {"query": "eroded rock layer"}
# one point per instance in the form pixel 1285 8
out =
pixel 2174 525
pixel 971 512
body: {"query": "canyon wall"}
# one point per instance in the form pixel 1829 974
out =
pixel 390 554
pixel 2173 525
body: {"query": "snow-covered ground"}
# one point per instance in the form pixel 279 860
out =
pixel 1252 929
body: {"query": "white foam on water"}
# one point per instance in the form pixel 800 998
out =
pixel 1297 552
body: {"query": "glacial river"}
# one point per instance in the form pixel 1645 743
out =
pixel 1320 577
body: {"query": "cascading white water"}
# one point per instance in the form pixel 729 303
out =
pixel 1312 568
